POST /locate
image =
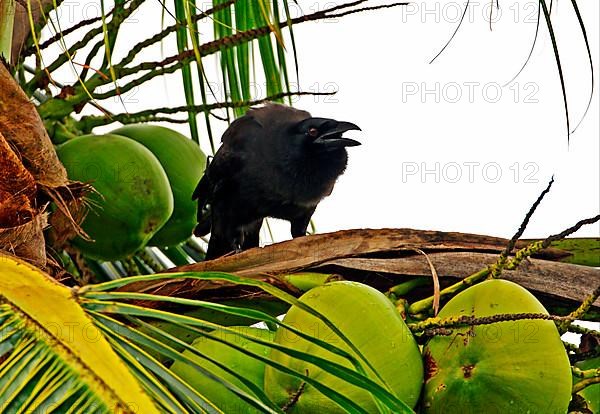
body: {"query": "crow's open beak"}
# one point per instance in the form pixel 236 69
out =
pixel 332 137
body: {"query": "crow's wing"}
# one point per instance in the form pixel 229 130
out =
pixel 203 193
pixel 220 170
pixel 227 162
pixel 237 140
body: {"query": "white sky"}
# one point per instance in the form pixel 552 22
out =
pixel 376 60
pixel 489 149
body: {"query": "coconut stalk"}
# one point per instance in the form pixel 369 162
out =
pixel 81 94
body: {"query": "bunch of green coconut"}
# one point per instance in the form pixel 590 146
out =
pixel 513 366
pixel 143 178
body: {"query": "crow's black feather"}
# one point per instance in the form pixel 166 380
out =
pixel 275 161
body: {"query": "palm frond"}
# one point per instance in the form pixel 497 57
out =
pixel 52 353
pixel 40 368
pixel 105 299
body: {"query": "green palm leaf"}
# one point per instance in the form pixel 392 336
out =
pixel 41 369
pixel 52 354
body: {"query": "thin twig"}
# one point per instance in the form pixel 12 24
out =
pixel 54 110
pixel 533 248
pixel 559 236
pixel 578 329
pixel 363 9
pixel 535 37
pixel 87 123
pixel 462 18
pixel 58 36
pixel 170 29
pixel 513 241
pixel 581 310
pixel 585 373
pixel 585 383
pixel 119 16
pixel 469 320
pixel 216 45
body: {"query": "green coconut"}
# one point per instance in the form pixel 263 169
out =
pixel 184 163
pixel 244 365
pixel 133 199
pixel 506 367
pixel 270 307
pixel 370 321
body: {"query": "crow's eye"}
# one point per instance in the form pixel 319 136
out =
pixel 313 132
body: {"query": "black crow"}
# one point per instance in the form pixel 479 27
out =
pixel 275 161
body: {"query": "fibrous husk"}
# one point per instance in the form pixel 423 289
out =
pixel 61 228
pixel 31 175
pixel 15 178
pixel 27 240
pixel 17 188
pixel 21 224
pixel 23 128
pixel 14 210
